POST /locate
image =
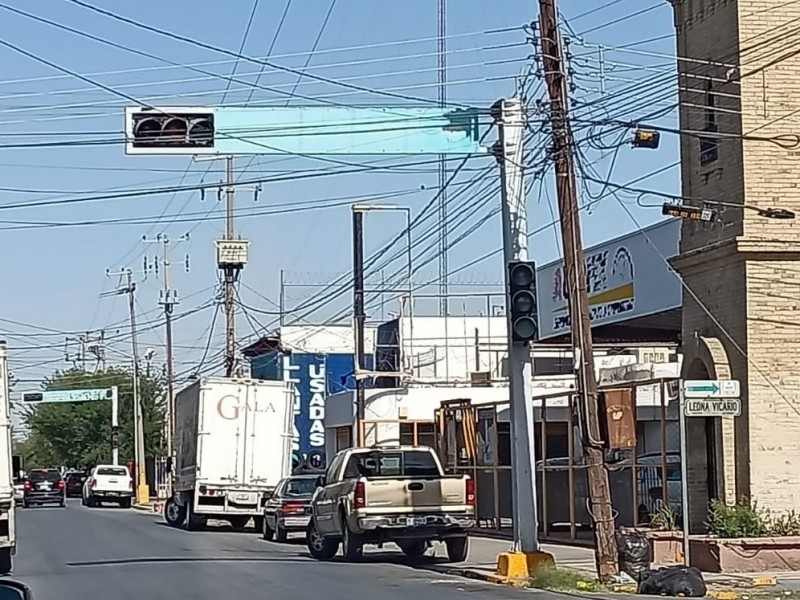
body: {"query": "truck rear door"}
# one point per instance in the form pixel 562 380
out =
pixel 267 434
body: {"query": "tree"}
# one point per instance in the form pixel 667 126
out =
pixel 79 434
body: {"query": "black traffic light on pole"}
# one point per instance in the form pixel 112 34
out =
pixel 171 128
pixel 523 318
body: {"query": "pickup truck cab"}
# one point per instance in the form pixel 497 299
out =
pixel 108 483
pixel 390 494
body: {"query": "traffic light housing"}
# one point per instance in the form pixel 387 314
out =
pixel 170 130
pixel 523 314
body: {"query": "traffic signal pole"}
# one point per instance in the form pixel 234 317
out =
pixel 230 275
pixel 508 114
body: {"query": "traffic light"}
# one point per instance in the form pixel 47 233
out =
pixel 522 297
pixel 165 129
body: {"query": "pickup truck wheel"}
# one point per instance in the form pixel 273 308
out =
pixel 319 547
pixel 174 513
pixel 6 564
pixel 457 548
pixel 414 549
pixel 125 503
pixel 352 544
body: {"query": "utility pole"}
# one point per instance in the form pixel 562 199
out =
pixel 168 299
pixel 581 332
pixel 142 490
pixel 441 60
pixel 509 117
pixel 359 319
pixel 231 259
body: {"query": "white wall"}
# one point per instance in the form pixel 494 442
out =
pixel 324 339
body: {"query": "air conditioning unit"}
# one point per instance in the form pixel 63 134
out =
pixel 480 379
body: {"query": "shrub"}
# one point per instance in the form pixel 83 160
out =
pixel 664 519
pixel 786 524
pixel 742 520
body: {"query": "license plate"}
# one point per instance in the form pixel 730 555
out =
pixel 415 521
pixel 44 486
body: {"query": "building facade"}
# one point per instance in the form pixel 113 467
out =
pixel 738 80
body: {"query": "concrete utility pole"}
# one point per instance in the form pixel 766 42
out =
pixel 168 299
pixel 510 120
pixel 142 489
pixel 230 275
pixel 359 318
pixel 441 60
pixel 566 188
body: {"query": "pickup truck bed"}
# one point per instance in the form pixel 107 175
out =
pixel 378 495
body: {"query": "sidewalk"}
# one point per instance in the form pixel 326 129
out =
pixel 482 563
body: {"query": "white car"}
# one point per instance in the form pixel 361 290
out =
pixel 19 489
pixel 108 483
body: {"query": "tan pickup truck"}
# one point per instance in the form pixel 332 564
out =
pixel 390 494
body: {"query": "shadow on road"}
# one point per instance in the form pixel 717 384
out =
pixel 184 559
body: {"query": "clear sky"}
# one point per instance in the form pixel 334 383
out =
pixel 622 68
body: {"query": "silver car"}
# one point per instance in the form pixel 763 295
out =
pixel 289 508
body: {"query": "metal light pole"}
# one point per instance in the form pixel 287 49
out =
pixel 359 316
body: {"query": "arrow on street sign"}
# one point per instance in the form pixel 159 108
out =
pixel 711 388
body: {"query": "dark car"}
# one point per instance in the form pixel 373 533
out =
pixel 44 486
pixel 289 508
pixel 74 483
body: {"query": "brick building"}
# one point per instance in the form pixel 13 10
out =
pixel 739 77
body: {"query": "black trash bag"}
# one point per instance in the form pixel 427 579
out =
pixel 634 555
pixel 681 581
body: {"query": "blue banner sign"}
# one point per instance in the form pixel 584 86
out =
pixel 316 376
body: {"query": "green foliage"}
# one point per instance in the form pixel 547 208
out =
pixel 741 520
pixel 785 524
pixel 563 580
pixel 79 434
pixel 665 519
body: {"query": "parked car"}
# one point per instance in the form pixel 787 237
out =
pixel 390 494
pixel 75 481
pixel 44 486
pixel 108 483
pixel 289 508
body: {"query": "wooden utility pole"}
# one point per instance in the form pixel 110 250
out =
pixel 566 188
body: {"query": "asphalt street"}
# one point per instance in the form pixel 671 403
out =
pixel 78 553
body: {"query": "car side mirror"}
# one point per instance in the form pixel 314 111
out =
pixel 320 482
pixel 14 590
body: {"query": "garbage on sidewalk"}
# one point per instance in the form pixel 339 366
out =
pixel 634 555
pixel 679 580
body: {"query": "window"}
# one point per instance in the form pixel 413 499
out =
pixel 300 487
pixel 344 438
pixel 709 144
pixel 389 463
pixel 44 476
pixel 113 471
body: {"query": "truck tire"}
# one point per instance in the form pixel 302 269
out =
pixel 238 522
pixel 258 523
pixel 457 548
pixel 193 522
pixel 6 562
pixel 352 543
pixel 125 503
pixel 320 548
pixel 414 548
pixel 174 513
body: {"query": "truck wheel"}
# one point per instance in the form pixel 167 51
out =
pixel 193 522
pixel 319 547
pixel 457 548
pixel 352 543
pixel 174 513
pixel 415 548
pixel 125 503
pixel 6 563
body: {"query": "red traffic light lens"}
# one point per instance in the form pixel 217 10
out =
pixel 522 275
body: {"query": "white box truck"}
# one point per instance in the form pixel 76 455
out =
pixel 8 535
pixel 233 444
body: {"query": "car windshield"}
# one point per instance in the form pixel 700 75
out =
pixel 393 463
pixel 117 471
pixel 44 475
pixel 300 487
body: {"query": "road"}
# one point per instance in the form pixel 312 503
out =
pixel 79 553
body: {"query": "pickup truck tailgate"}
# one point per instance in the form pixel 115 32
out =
pixel 112 479
pixel 442 494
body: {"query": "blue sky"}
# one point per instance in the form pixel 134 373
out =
pixel 622 63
